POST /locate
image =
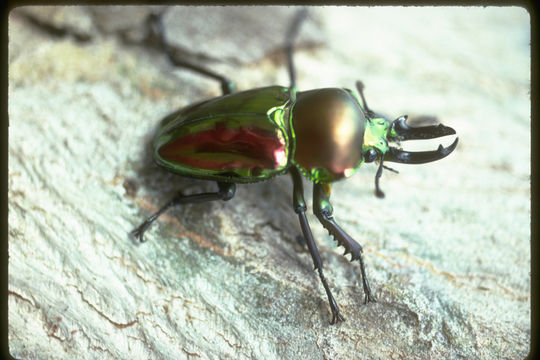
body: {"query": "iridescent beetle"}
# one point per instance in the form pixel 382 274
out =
pixel 245 137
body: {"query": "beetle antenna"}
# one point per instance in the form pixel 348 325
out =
pixel 291 36
pixel 360 87
pixel 378 191
pixel 389 168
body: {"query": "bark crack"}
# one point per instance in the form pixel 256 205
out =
pixel 103 315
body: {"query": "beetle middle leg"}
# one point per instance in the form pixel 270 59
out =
pixel 292 33
pixel 323 210
pixel 300 208
pixel 158 33
pixel 226 192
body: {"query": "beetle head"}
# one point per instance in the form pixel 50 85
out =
pixel 380 132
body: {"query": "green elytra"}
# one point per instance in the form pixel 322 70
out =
pixel 323 134
pixel 263 112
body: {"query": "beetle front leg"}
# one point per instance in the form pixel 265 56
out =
pixel 291 37
pixel 300 208
pixel 226 192
pixel 323 210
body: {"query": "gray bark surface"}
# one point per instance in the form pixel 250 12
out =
pixel 447 251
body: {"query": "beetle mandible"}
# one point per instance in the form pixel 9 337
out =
pixel 254 135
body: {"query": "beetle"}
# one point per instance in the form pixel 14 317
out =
pixel 324 135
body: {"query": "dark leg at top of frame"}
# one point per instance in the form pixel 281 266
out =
pixel 323 210
pixel 289 41
pixel 227 86
pixel 299 205
pixel 156 27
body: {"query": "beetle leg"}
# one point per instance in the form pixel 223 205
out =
pixel 300 208
pixel 291 36
pixel 323 210
pixel 156 27
pixel 226 192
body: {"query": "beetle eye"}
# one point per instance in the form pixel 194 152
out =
pixel 370 155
